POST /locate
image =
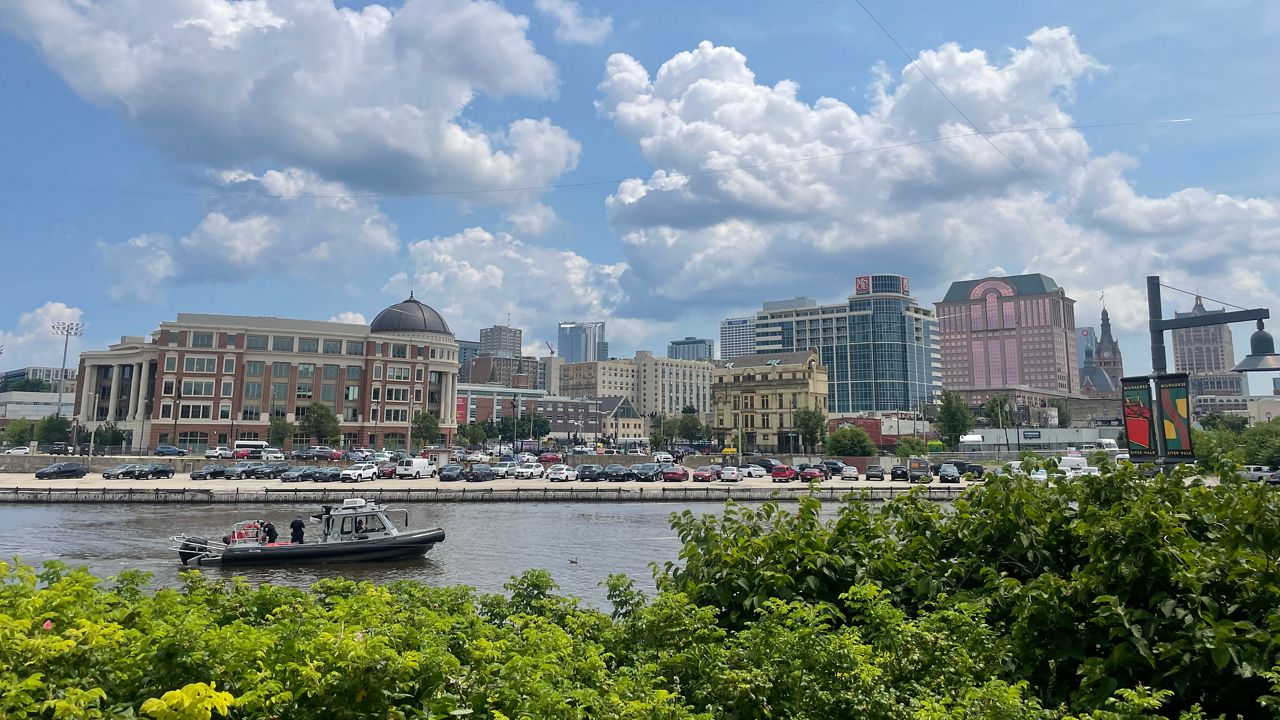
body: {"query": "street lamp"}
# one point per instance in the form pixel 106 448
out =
pixel 67 330
pixel 177 408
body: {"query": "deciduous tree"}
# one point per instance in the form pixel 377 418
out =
pixel 851 442
pixel 320 423
pixel 426 427
pixel 52 429
pixel 812 425
pixel 279 432
pixel 954 419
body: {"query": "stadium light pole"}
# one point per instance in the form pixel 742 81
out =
pixel 66 330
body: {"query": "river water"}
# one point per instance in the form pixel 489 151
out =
pixel 486 543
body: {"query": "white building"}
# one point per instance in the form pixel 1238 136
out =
pixel 33 405
pixel 654 385
pixel 737 337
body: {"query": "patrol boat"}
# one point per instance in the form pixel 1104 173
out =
pixel 356 531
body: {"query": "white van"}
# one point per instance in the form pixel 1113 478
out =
pixel 415 468
pixel 1075 465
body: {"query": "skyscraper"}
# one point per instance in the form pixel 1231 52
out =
pixel 737 337
pixel 467 351
pixel 691 348
pixel 1207 354
pixel 501 341
pixel 579 342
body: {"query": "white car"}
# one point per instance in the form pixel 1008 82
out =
pixel 750 471
pixel 529 470
pixel 850 472
pixel 661 457
pixel 729 473
pixel 478 457
pixel 270 454
pixel 635 451
pixel 505 469
pixel 526 457
pixel 561 473
pixel 20 450
pixel 360 472
pixel 218 453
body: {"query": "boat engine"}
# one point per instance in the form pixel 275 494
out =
pixel 192 548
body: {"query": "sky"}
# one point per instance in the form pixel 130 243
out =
pixel 657 165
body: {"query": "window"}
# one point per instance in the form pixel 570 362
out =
pixel 354 372
pixel 251 413
pixel 226 388
pixel 417 395
pixel 198 364
pixel 433 378
pixel 397 394
pixel 195 440
pixel 306 371
pixel 377 372
pixel 171 363
pixel 350 414
pixel 418 374
pixel 308 345
pixel 197 388
pixel 398 372
pixel 195 412
pixel 395 415
pixel 202 340
pixel 255 342
pixel 282 344
pixel 330 372
pixel 352 392
pixel 280 369
pixel 224 411
pixel 355 347
pixel 332 347
pixel 399 350
pixel 377 393
pixel 167 388
pixel 253 390
pixel 232 339
pixel 254 368
pixel 328 393
pixel 303 392
pixel 228 365
pixel 166 410
pixel 279 391
pixel 300 412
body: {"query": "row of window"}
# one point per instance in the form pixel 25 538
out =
pixel 287 343
pixel 257 368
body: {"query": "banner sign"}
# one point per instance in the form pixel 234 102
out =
pixel 862 285
pixel 1139 422
pixel 1174 396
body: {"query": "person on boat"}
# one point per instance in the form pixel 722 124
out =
pixel 270 531
pixel 297 528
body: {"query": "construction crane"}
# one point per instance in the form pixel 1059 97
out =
pixel 549 348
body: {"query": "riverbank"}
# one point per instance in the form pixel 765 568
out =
pixel 16 488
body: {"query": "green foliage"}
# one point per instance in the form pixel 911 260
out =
pixel 426 427
pixel 19 432
pixel 473 434
pixel 196 701
pixel 109 434
pixel 689 428
pixel 1220 421
pixel 532 426
pixel 1261 443
pixel 1064 412
pixel 996 410
pixel 52 429
pixel 279 432
pixel 911 447
pixel 851 442
pixel 320 423
pixel 27 385
pixel 812 426
pixel 954 419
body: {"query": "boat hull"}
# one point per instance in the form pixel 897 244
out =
pixel 404 546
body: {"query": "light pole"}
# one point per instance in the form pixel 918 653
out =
pixel 93 432
pixel 67 330
pixel 374 407
pixel 146 413
pixel 177 407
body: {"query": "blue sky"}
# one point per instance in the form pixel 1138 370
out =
pixel 286 157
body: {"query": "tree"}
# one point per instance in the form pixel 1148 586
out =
pixel 426 427
pixel 473 434
pixel 996 410
pixel 689 427
pixel 689 410
pixel 19 432
pixel 1218 421
pixel 52 429
pixel 812 426
pixel 954 419
pixel 321 424
pixel 851 442
pixel 279 431
pixel 911 447
pixel 109 435
pixel 26 385
pixel 1064 412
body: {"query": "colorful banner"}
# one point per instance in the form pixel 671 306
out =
pixel 1174 396
pixel 1139 421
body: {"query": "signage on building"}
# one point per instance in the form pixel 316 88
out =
pixel 461 411
pixel 906 286
pixel 862 285
pixel 1030 434
pixel 737 323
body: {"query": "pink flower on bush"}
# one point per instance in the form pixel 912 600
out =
pixel 48 625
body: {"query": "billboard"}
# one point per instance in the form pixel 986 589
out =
pixel 1174 396
pixel 906 286
pixel 1139 422
pixel 862 285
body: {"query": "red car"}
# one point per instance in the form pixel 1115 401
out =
pixel 387 470
pixel 811 474
pixel 707 473
pixel 550 457
pixel 240 454
pixel 674 473
pixel 783 473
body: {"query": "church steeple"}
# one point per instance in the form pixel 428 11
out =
pixel 1106 328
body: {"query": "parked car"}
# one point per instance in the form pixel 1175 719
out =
pixel 675 473
pixel 58 448
pixel 767 463
pixel 506 468
pixel 323 452
pixel 948 474
pixel 753 471
pixel 822 469
pixel 62 470
pixel 414 467
pixel 875 472
pixel 707 473
pixel 451 473
pixel 647 472
pixel 208 472
pixel 550 457
pixel 20 450
pixel 618 473
pixel 477 457
pixel 271 470
pixel 169 451
pixel 126 470
pixel 327 475
pixel 480 472
pixel 525 457
pixel 244 469
pixel 360 472
pixel 813 473
pixel 387 469
pixel 272 454
pixel 635 451
pixel 561 473
pixel 155 470
pixel 783 473
pixel 899 472
pixel 528 470
pixel 729 473
pixel 977 471
pixel 218 453
pixel 590 473
pixel 661 457
pixel 298 473
pixel 834 467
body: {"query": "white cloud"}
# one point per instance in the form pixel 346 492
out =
pixel 302 229
pixel 32 343
pixel 532 219
pixel 571 26
pixel 349 316
pixel 776 223
pixel 372 97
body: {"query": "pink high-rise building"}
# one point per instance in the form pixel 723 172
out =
pixel 1002 333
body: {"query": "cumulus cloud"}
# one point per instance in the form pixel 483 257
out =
pixel 372 97
pixel 349 316
pixel 572 27
pixel 755 188
pixel 30 342
pixel 532 219
pixel 280 222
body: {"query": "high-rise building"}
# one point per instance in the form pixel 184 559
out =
pixel 691 348
pixel 655 385
pixel 549 373
pixel 501 341
pixel 599 379
pixel 1000 333
pixel 520 372
pixel 879 346
pixel 467 351
pixel 579 342
pixel 737 337
pixel 1207 354
pixel 1086 340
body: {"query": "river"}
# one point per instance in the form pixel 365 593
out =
pixel 486 543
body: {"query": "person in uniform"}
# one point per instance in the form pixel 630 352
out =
pixel 270 531
pixel 297 528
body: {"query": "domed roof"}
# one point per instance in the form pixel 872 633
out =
pixel 409 316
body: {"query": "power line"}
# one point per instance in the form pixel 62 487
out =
pixel 1205 297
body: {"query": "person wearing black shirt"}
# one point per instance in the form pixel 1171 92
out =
pixel 270 531
pixel 298 527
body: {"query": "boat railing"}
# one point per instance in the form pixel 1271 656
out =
pixel 388 511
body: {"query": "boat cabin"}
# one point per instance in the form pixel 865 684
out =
pixel 356 519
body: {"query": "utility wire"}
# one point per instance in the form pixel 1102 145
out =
pixel 1204 297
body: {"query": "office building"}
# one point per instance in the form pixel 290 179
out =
pixel 20 405
pixel 1207 355
pixel 737 337
pixel 568 417
pixel 1006 333
pixel 468 350
pixel 691 348
pixel 501 341
pixel 755 397
pixel 503 371
pixel 654 385
pixel 549 373
pixel 204 380
pixel 43 374
pixel 579 342
pixel 879 346
pixel 601 379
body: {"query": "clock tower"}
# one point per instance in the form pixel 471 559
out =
pixel 1107 353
